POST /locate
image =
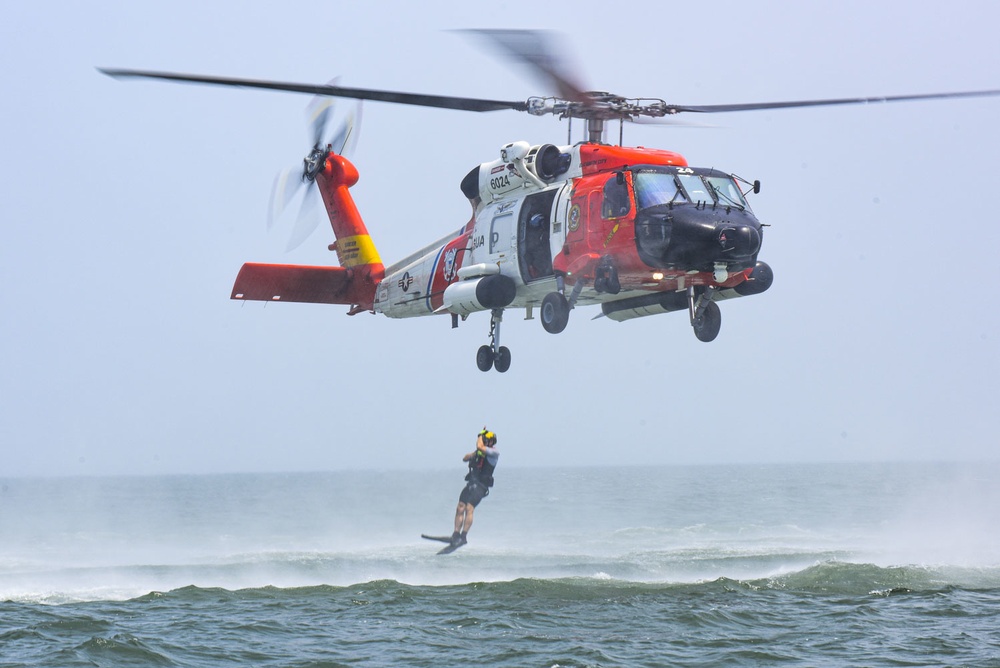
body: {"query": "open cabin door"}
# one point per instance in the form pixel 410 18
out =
pixel 535 236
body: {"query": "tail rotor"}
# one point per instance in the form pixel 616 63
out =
pixel 328 137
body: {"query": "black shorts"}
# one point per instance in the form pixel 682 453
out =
pixel 473 494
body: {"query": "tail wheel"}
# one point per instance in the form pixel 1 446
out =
pixel 707 326
pixel 555 312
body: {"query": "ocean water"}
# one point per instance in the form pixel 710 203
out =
pixel 864 564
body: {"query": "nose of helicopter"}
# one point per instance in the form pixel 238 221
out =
pixel 698 238
pixel 738 241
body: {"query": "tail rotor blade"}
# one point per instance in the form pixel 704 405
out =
pixel 319 111
pixel 307 220
pixel 345 138
pixel 341 138
pixel 285 186
pixel 318 114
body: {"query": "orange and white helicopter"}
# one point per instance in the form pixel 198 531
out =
pixel 637 230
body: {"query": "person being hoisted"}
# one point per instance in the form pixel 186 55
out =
pixel 482 461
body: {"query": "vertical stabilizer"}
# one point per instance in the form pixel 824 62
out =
pixel 354 246
pixel 360 270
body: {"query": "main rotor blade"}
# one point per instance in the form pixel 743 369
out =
pixel 476 104
pixel 755 106
pixel 439 101
pixel 538 50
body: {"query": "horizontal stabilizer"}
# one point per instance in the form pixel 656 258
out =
pixel 297 283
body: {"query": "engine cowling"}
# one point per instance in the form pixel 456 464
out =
pixel 519 165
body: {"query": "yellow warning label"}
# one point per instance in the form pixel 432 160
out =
pixel 357 250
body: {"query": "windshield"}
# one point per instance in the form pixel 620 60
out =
pixel 696 189
pixel 727 191
pixel 653 188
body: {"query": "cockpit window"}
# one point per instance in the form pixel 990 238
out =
pixel 616 200
pixel 696 189
pixel 726 191
pixel 653 188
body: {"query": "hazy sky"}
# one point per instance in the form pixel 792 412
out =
pixel 127 209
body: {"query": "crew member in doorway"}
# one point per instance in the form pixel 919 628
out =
pixel 537 247
pixel 482 461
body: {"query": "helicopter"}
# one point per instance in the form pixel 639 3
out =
pixel 638 231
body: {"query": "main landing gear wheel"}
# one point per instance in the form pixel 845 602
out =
pixel 487 359
pixel 555 312
pixel 502 360
pixel 707 325
pixel 494 355
pixel 484 358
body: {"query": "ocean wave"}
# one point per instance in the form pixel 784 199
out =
pixel 830 613
pixel 724 566
pixel 323 575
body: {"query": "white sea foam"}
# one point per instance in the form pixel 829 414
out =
pixel 110 539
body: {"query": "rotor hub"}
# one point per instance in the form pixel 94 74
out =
pixel 314 163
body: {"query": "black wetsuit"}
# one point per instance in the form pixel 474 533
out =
pixel 480 476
